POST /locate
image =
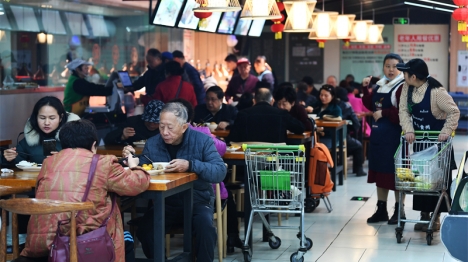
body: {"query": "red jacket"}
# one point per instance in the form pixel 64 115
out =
pixel 167 90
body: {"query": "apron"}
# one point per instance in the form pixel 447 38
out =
pixel 424 120
pixel 385 136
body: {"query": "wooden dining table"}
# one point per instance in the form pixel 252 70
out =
pixel 160 187
pixel 295 139
pixel 116 150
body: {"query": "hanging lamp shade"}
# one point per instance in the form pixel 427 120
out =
pixel 374 34
pixel 260 9
pixel 344 26
pixel 324 27
pixel 217 6
pixel 360 30
pixel 299 15
pixel 42 38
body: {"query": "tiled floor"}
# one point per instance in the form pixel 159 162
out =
pixel 344 235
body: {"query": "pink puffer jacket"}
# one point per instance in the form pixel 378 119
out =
pixel 63 177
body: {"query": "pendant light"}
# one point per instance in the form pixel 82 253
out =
pixel 344 26
pixel 374 32
pixel 323 26
pixel 299 15
pixel 360 29
pixel 217 6
pixel 260 9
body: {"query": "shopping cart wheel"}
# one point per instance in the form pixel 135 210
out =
pixel 310 205
pixel 429 237
pixel 317 202
pixel 276 244
pixel 295 259
pixel 399 234
pixel 308 243
pixel 247 256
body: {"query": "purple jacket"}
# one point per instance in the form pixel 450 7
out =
pixel 237 86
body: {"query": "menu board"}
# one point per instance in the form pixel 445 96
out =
pixel 228 22
pixel 305 58
pixel 188 19
pixel 243 26
pixel 427 42
pixel 167 12
pixel 257 27
pixel 211 23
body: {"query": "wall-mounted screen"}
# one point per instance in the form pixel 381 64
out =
pixel 188 19
pixel 211 23
pixel 257 27
pixel 228 22
pixel 167 12
pixel 243 26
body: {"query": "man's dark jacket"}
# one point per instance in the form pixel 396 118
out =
pixel 150 79
pixel 264 123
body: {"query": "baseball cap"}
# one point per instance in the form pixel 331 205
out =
pixel 243 61
pixel 152 111
pixel 167 55
pixel 415 66
pixel 76 63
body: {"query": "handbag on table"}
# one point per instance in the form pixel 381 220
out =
pixel 94 246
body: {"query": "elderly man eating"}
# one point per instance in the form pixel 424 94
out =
pixel 187 151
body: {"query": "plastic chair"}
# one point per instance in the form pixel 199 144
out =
pixel 33 206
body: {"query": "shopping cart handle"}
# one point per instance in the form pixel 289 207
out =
pixel 420 132
pixel 274 147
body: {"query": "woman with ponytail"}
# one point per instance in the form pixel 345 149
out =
pixel 426 105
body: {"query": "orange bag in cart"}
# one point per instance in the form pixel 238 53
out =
pixel 319 176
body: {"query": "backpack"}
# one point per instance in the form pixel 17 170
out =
pixel 319 175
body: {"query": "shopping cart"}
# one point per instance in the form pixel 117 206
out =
pixel 422 177
pixel 276 185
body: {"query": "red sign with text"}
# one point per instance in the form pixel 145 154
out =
pixel 419 38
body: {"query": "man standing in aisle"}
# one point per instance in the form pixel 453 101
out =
pixel 264 75
pixel 242 83
pixel 193 76
pixel 78 89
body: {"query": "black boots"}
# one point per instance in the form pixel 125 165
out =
pixel 394 219
pixel 232 242
pixel 381 214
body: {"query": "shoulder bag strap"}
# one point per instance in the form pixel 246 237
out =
pixel 178 90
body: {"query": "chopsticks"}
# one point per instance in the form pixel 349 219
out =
pixel 134 155
pixel 19 152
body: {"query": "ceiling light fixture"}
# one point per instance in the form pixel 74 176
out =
pixel 323 26
pixel 361 29
pixel 438 3
pixel 264 9
pixel 429 7
pixel 299 15
pixel 344 26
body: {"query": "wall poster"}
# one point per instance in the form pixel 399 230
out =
pixel 427 42
pixel 462 68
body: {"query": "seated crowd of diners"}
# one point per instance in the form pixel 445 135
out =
pixel 252 108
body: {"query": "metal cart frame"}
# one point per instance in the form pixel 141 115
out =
pixel 276 180
pixel 422 177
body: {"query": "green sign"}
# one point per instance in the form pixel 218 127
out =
pixel 401 21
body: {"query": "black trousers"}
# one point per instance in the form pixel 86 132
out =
pixel 232 223
pixel 202 227
pixel 354 148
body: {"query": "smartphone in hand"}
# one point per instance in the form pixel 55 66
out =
pixel 48 146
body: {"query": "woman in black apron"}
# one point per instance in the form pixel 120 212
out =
pixel 385 136
pixel 426 105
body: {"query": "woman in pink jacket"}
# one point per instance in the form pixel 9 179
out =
pixel 64 176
